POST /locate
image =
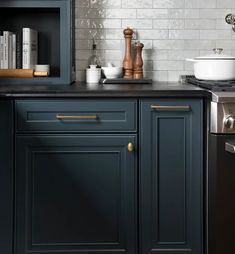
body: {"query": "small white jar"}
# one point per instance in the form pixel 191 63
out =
pixel 93 74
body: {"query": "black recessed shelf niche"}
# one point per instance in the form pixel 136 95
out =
pixel 54 21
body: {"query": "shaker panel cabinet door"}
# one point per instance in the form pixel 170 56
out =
pixel 75 194
pixel 171 176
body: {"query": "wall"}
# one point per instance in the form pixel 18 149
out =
pixel 171 31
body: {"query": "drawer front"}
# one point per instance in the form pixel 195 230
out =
pixel 76 115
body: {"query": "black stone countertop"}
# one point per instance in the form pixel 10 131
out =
pixel 158 89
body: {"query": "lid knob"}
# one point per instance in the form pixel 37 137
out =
pixel 218 50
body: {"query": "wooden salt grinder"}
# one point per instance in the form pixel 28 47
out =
pixel 138 63
pixel 128 62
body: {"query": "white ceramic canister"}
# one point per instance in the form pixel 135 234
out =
pixel 93 74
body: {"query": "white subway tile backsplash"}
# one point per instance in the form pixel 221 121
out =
pixel 157 75
pixel 83 44
pixel 225 4
pixel 226 44
pixel 171 30
pixel 148 44
pixel 152 13
pixel 214 13
pixel 105 23
pixel 113 34
pixel 168 65
pixel 82 54
pixel 161 23
pixel 176 24
pixel 86 13
pixel 154 54
pixel 152 34
pixel 82 3
pixel 108 44
pixel 140 4
pixel 200 3
pixel 169 44
pixel 105 3
pixel 176 13
pixel 200 44
pixel 121 13
pixel 220 24
pixel 137 23
pixel 181 55
pixel 191 14
pixel 200 24
pixel 168 3
pixel 183 34
pixel 82 23
pixel 215 34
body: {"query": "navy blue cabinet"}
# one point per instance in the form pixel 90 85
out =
pixel 171 176
pixel 6 177
pixel 77 185
pixel 75 194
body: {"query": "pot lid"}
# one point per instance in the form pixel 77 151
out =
pixel 218 55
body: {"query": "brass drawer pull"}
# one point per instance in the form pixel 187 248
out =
pixel 170 107
pixel 62 117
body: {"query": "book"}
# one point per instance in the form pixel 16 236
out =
pixel 1 51
pixel 19 50
pixel 30 48
pixel 10 51
pixel 6 35
pixel 13 51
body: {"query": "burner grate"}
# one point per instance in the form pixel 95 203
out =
pixel 214 85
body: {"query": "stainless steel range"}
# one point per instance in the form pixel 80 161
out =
pixel 221 166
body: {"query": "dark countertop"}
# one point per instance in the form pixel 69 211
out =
pixel 158 89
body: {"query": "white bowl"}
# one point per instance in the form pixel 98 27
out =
pixel 112 72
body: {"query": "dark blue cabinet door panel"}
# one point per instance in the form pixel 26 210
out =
pixel 105 115
pixel 75 194
pixel 171 176
pixel 6 177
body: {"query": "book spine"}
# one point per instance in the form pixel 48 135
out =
pixel 6 50
pixel 19 50
pixel 10 51
pixel 1 52
pixel 33 49
pixel 26 49
pixel 13 51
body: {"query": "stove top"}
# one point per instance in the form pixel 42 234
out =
pixel 213 85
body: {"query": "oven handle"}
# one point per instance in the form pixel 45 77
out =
pixel 230 147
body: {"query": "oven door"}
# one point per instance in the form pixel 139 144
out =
pixel 221 194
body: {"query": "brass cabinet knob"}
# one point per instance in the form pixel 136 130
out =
pixel 130 147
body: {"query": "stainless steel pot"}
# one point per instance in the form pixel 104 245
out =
pixel 214 67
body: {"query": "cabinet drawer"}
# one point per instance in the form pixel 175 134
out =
pixel 76 115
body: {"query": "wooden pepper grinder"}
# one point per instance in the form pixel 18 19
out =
pixel 138 63
pixel 128 62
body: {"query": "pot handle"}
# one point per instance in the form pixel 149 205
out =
pixel 191 60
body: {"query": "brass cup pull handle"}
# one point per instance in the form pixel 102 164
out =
pixel 130 147
pixel 170 107
pixel 62 117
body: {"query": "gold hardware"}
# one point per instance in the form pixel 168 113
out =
pixel 130 147
pixel 61 117
pixel 169 107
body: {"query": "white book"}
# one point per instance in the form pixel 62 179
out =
pixel 1 51
pixel 6 49
pixel 30 48
pixel 13 51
